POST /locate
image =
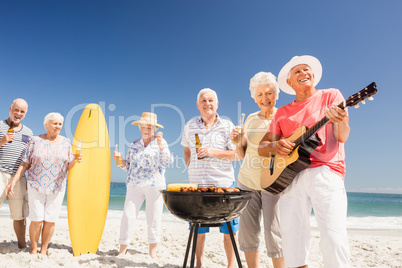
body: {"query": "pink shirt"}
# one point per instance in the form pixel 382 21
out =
pixel 49 163
pixel 290 117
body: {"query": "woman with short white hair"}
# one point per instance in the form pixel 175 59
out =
pixel 47 159
pixel 264 90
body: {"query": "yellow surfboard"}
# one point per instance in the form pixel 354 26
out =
pixel 88 185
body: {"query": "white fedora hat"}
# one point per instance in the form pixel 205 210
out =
pixel 311 61
pixel 148 119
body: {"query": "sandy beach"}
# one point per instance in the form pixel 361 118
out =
pixel 369 248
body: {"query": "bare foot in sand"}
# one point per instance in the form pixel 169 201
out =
pixel 44 252
pixel 22 246
pixel 34 251
pixel 123 250
pixel 152 250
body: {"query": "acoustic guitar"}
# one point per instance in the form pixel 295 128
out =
pixel 278 172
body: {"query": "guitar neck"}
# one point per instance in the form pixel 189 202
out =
pixel 317 126
pixel 311 131
pixel 353 100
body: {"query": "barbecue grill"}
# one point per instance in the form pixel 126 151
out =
pixel 206 209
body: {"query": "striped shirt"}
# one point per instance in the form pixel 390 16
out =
pixel 11 153
pixel 209 170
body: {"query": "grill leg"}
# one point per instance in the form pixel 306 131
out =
pixel 194 244
pixel 234 245
pixel 188 245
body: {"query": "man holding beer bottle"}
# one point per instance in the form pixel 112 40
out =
pixel 208 159
pixel 14 139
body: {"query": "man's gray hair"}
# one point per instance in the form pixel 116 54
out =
pixel 18 100
pixel 206 90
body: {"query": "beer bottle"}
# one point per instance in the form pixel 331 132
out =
pixel 239 127
pixel 11 129
pixel 78 150
pixel 118 159
pixel 198 145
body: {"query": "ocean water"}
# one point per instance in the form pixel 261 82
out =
pixel 365 210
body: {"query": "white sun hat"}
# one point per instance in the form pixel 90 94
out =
pixel 148 119
pixel 311 61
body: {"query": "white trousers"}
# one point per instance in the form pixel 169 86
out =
pixel 323 190
pixel 154 208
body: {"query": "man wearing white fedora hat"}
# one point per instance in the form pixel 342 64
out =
pixel 321 185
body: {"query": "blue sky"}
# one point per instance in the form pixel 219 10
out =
pixel 135 56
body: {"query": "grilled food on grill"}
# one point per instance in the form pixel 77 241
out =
pixel 176 187
pixel 211 189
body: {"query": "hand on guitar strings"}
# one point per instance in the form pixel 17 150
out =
pixel 284 147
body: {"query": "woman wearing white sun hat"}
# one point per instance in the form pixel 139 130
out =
pixel 146 162
pixel 321 185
